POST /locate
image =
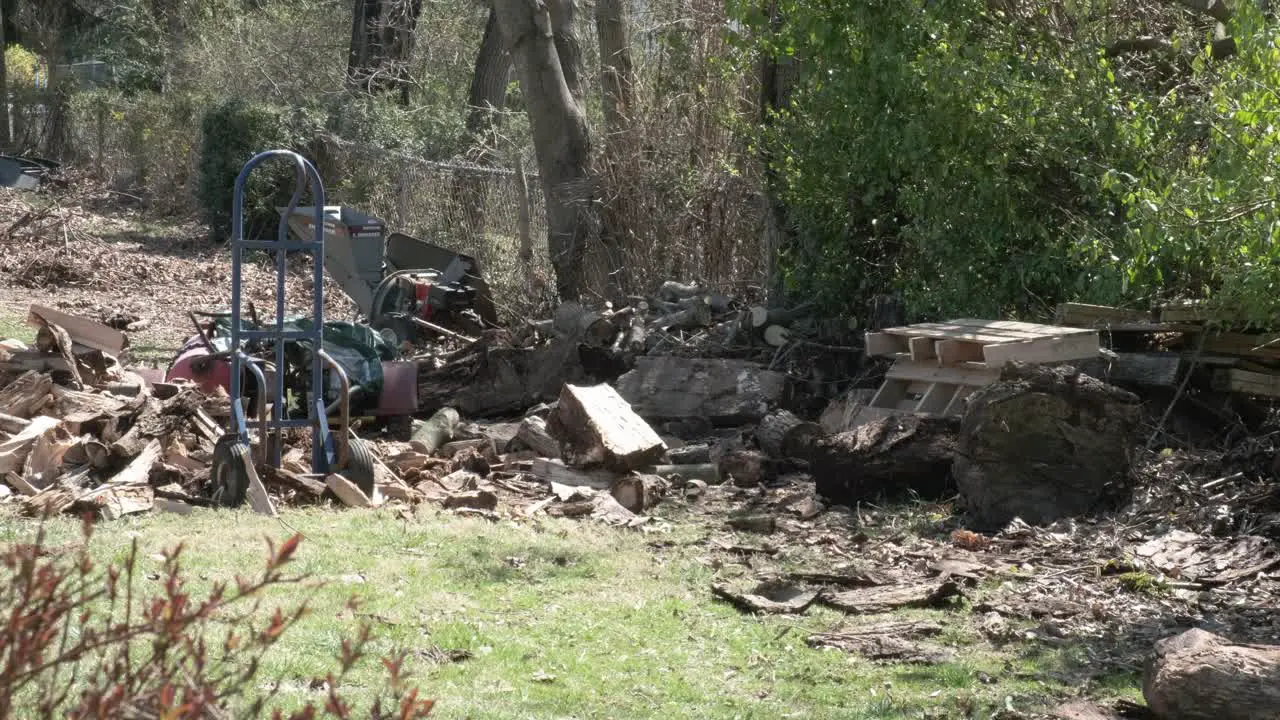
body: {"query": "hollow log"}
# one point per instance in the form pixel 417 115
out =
pixel 1200 676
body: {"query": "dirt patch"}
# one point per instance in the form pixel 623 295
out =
pixel 77 253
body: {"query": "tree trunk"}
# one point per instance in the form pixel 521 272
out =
pixel 488 88
pixel 774 90
pixel 617 78
pixel 560 134
pixel 382 39
pixel 5 137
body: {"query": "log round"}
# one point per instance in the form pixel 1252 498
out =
pixel 783 435
pixel 888 456
pixel 1043 444
pixel 1200 676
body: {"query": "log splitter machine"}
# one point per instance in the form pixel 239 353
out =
pixel 274 353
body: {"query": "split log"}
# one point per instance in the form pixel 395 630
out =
pixel 748 468
pixel 1200 676
pixel 533 433
pixel 139 469
pixel 689 454
pixel 303 485
pixel 12 424
pixel 474 500
pixel 14 451
pixel 894 597
pixel 82 331
pixel 555 471
pixel 113 502
pixel 53 339
pixel 44 460
pixel 348 492
pixel 435 431
pixel 25 396
pixel 158 419
pixel 768 597
pixel 1043 444
pixel 638 492
pixel 48 502
pixel 708 473
pixel 1142 370
pixel 484 447
pixel 726 392
pixel 595 426
pixel 894 641
pixel 889 456
pixel 580 324
pixel 782 434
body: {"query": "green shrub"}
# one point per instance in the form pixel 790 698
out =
pixel 231 133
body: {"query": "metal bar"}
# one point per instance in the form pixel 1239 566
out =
pixel 318 456
pixel 278 245
pixel 343 446
pixel 262 405
pixel 286 335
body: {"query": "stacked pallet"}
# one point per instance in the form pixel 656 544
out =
pixel 937 365
pixel 1237 362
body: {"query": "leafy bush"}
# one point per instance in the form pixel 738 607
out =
pixel 232 132
pixel 79 641
pixel 21 66
pixel 983 163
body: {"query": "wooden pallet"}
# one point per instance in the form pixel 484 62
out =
pixel 925 389
pixel 983 344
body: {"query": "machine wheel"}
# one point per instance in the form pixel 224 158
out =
pixel 229 474
pixel 359 469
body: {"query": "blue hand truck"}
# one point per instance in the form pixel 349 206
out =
pixel 332 448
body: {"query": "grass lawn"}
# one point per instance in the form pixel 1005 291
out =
pixel 567 619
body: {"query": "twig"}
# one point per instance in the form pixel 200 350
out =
pixel 1222 480
pixel 1195 359
pixel 442 330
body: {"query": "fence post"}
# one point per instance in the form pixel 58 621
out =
pixel 522 195
pixel 402 200
pixel 101 120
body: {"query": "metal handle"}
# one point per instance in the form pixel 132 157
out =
pixel 343 447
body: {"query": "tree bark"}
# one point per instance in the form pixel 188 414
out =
pixel 774 91
pixel 5 137
pixel 560 134
pixel 488 87
pixel 382 40
pixel 617 80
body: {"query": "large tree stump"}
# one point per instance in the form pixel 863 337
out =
pixel 888 456
pixel 726 392
pixel 1200 676
pixel 1043 444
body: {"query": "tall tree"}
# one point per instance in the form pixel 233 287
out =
pixel 547 57
pixel 382 39
pixel 5 137
pixel 488 87
pixel 617 80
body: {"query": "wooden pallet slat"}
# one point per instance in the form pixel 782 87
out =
pixel 993 343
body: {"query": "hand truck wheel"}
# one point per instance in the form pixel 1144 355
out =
pixel 229 474
pixel 359 469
